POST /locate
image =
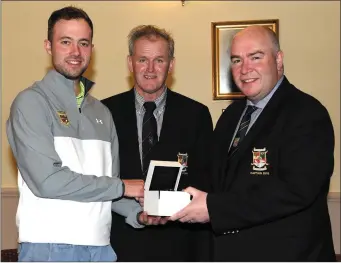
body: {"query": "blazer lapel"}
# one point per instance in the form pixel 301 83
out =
pixel 263 123
pixel 162 150
pixel 170 118
pixel 228 134
pixel 130 130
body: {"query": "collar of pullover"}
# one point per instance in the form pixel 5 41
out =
pixel 61 84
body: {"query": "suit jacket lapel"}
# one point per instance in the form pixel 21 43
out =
pixel 262 124
pixel 170 118
pixel 228 134
pixel 130 130
pixel 167 135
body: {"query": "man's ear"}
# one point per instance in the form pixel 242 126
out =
pixel 47 46
pixel 279 60
pixel 130 63
pixel 171 65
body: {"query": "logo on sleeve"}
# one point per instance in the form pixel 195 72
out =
pixel 63 118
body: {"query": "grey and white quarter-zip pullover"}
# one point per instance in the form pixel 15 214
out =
pixel 68 165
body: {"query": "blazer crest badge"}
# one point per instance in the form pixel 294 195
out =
pixel 183 159
pixel 259 159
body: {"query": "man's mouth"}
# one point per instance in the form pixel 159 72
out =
pixel 74 62
pixel 248 80
pixel 150 76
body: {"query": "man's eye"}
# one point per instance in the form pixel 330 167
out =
pixel 84 44
pixel 255 58
pixel 65 42
pixel 235 61
pixel 141 60
pixel 159 60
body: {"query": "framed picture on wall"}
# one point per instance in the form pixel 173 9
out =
pixel 222 33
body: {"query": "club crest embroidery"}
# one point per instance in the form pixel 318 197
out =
pixel 63 118
pixel 183 159
pixel 259 159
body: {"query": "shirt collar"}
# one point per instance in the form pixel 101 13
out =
pixel 160 102
pixel 262 103
pixel 82 91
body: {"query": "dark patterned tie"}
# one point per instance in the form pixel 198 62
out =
pixel 149 134
pixel 244 124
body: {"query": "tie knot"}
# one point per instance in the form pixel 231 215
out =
pixel 149 106
pixel 250 109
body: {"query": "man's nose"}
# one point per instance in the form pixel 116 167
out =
pixel 151 66
pixel 75 49
pixel 245 67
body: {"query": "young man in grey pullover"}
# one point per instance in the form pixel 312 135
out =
pixel 65 144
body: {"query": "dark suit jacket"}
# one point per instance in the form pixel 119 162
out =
pixel 186 128
pixel 280 213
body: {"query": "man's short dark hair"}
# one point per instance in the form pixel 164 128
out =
pixel 67 13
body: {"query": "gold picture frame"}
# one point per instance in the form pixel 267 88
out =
pixel 222 34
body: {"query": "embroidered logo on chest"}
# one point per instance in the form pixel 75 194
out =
pixel 183 159
pixel 63 118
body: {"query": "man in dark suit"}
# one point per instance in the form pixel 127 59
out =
pixel 183 128
pixel 270 187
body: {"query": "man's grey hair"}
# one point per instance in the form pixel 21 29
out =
pixel 149 32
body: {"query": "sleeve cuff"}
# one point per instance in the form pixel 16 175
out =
pixel 132 218
pixel 123 188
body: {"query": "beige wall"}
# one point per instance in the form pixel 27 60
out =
pixel 309 34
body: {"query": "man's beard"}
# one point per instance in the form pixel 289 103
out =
pixel 70 74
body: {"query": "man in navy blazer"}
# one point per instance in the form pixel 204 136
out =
pixel 270 186
pixel 184 127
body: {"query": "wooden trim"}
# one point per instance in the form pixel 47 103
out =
pixel 334 197
pixel 9 192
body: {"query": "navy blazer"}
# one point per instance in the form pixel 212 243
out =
pixel 269 200
pixel 186 128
